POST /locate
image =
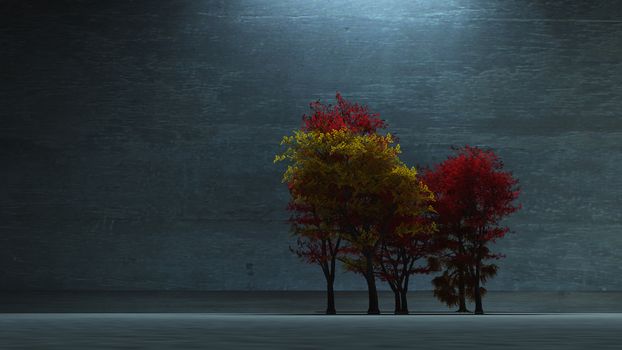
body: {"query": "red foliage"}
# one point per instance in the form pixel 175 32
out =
pixel 355 117
pixel 400 255
pixel 473 194
pixel 315 246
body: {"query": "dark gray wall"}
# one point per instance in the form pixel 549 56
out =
pixel 137 138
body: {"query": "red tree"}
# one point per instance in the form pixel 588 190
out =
pixel 473 194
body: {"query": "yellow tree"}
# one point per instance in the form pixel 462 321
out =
pixel 344 177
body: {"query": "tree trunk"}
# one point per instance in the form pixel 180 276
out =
pixel 462 292
pixel 330 296
pixel 329 272
pixel 404 299
pixel 477 293
pixel 373 308
pixel 398 304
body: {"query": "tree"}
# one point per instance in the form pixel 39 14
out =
pixel 342 176
pixel 335 160
pixel 399 258
pixel 404 230
pixel 473 195
pixel 316 244
pixel 398 236
pixel 456 285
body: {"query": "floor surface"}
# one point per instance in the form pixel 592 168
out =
pixel 294 320
pixel 243 331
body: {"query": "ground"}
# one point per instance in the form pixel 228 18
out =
pixel 261 331
pixel 294 320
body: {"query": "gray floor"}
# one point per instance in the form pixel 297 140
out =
pixel 244 331
pixel 293 320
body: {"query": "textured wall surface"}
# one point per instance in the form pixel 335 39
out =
pixel 137 138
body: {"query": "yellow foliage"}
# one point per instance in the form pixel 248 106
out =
pixel 356 180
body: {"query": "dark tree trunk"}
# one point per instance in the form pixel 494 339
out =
pixel 404 302
pixel 373 308
pixel 330 296
pixel 479 310
pixel 462 292
pixel 329 273
pixel 405 287
pixel 398 302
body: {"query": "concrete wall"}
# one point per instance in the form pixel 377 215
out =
pixel 137 138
